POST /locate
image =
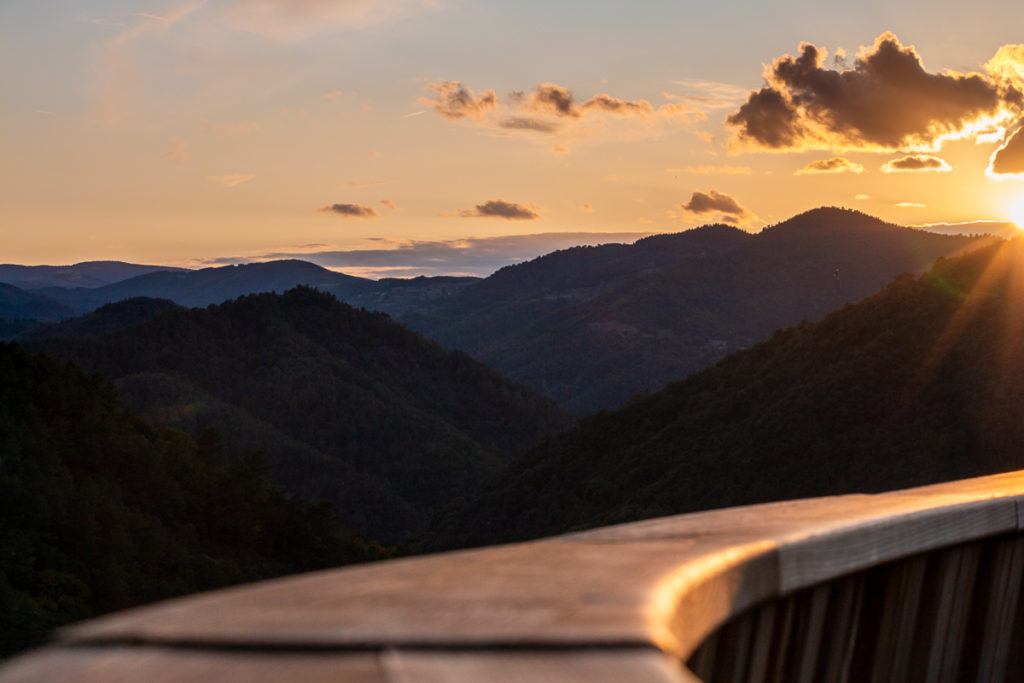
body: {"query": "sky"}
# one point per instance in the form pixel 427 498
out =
pixel 408 137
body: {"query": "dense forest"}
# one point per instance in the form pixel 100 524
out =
pixel 592 326
pixel 348 405
pixel 101 511
pixel 920 383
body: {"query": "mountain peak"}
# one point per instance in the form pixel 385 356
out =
pixel 828 220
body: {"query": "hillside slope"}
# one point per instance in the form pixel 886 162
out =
pixel 922 382
pixel 592 326
pixel 347 404
pixel 99 511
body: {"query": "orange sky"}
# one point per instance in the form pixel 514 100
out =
pixel 220 131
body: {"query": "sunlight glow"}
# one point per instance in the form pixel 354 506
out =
pixel 1016 213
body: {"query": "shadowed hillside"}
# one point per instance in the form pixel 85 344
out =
pixel 592 326
pixel 100 511
pixel 923 382
pixel 347 405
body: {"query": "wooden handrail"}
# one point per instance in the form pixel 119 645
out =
pixel 628 602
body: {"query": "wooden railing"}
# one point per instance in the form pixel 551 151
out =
pixel 922 584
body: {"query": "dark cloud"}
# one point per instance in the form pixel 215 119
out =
pixel 915 163
pixel 497 208
pixel 714 201
pixel 1009 158
pixel 833 165
pixel 456 101
pixel 885 101
pixel 614 105
pixel 548 98
pixel 350 210
pixel 528 123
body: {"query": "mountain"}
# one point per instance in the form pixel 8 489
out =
pixel 346 404
pixel 197 288
pixel 922 382
pixel 592 326
pixel 100 511
pixel 17 304
pixel 86 274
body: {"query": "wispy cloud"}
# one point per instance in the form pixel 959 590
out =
pixel 551 109
pixel 231 179
pixel 295 20
pixel 118 74
pixel 176 153
pixel 910 205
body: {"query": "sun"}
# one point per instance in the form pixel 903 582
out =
pixel 1016 212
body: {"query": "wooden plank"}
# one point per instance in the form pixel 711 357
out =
pixel 590 666
pixel 1003 598
pixel 956 573
pixel 900 606
pixel 813 633
pixel 817 558
pixel 162 665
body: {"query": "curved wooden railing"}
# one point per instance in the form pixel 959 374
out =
pixel 922 584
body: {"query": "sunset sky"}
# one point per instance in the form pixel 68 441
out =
pixel 399 137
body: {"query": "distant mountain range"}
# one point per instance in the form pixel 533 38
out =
pixel 588 326
pixel 348 405
pixel 922 382
pixel 85 274
pixel 592 326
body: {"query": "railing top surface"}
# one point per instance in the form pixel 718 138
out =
pixel 640 587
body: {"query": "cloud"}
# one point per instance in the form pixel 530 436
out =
pixel 862 197
pixel 833 165
pixel 585 207
pixel 176 154
pixel 389 203
pixel 886 101
pixel 333 95
pixel 714 201
pixel 479 256
pixel 498 208
pixel 527 123
pixel 350 210
pixel 232 179
pixel 708 94
pixel 916 163
pixel 118 73
pixel 295 20
pixel 456 101
pixel 909 205
pixel 1008 159
pixel 549 108
pixel 560 149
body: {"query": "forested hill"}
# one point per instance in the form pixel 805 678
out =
pixel 920 383
pixel 346 404
pixel 100 511
pixel 592 326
